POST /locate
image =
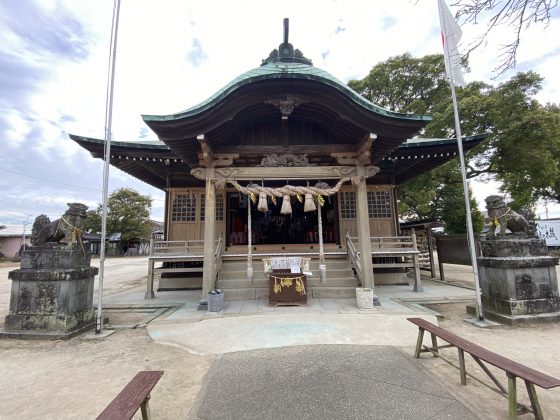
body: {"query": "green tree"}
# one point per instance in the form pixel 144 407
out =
pixel 128 213
pixel 439 195
pixel 523 146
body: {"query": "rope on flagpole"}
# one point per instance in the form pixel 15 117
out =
pixel 108 126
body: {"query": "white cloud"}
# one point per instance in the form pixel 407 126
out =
pixel 60 87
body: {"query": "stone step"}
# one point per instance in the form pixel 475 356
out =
pixel 333 292
pixel 244 284
pixel 331 274
pixel 258 264
pixel 316 292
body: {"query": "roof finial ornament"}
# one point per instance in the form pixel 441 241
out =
pixel 286 52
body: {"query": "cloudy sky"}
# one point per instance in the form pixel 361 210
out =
pixel 173 54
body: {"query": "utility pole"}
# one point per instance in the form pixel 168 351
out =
pixel 24 228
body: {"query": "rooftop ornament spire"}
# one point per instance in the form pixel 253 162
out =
pixel 285 52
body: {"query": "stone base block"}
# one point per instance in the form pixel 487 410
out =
pixel 49 322
pixel 521 306
pixel 517 319
pixel 47 335
pixel 55 256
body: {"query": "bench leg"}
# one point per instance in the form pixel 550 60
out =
pixel 145 409
pixel 534 400
pixel 462 370
pixel 434 344
pixel 150 283
pixel 419 343
pixel 512 392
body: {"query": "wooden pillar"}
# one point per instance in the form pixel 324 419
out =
pixel 363 230
pixel 208 271
pixel 166 218
pixel 429 238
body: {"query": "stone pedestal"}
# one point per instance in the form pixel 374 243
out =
pixel 518 280
pixel 52 293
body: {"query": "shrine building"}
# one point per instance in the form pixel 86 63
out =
pixel 284 160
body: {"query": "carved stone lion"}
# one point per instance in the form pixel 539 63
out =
pixel 501 215
pixel 68 228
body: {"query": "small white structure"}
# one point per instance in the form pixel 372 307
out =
pixel 11 240
pixel 549 230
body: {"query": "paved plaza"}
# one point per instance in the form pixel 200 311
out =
pixel 327 359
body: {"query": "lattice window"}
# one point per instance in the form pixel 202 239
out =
pixel 219 207
pixel 184 208
pixel 379 204
pixel 348 205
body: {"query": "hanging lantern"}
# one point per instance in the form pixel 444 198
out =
pixel 286 205
pixel 309 204
pixel 263 205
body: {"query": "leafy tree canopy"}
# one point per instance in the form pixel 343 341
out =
pixel 523 145
pixel 128 213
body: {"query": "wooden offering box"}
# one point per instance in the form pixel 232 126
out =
pixel 285 288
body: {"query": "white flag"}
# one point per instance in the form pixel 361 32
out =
pixel 450 37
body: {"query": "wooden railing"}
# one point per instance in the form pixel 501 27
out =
pixel 178 251
pixel 401 250
pixel 354 258
pixel 398 242
pixel 170 248
pixel 218 258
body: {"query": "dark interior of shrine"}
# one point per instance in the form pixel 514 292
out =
pixel 272 227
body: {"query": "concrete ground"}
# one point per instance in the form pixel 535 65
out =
pixel 252 359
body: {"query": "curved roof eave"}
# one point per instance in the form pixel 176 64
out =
pixel 138 144
pixel 273 71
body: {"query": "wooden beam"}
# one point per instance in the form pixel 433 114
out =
pixel 263 150
pixel 207 155
pixel 284 173
pixel 345 158
pixel 363 150
pixel 219 159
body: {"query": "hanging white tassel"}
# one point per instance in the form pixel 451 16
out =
pixel 263 205
pixel 286 205
pixel 309 204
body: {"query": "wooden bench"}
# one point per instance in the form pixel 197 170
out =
pixel 512 369
pixel 134 395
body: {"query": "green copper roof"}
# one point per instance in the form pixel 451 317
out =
pixel 139 144
pixel 426 142
pixel 285 70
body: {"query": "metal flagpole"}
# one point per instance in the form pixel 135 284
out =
pixel 108 125
pixel 470 232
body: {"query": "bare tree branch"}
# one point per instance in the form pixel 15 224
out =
pixel 519 14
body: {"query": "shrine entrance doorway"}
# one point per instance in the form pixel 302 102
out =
pixel 272 227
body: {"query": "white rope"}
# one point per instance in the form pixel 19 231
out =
pixel 288 189
pixel 249 241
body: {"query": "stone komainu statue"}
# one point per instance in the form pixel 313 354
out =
pixel 68 228
pixel 501 215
